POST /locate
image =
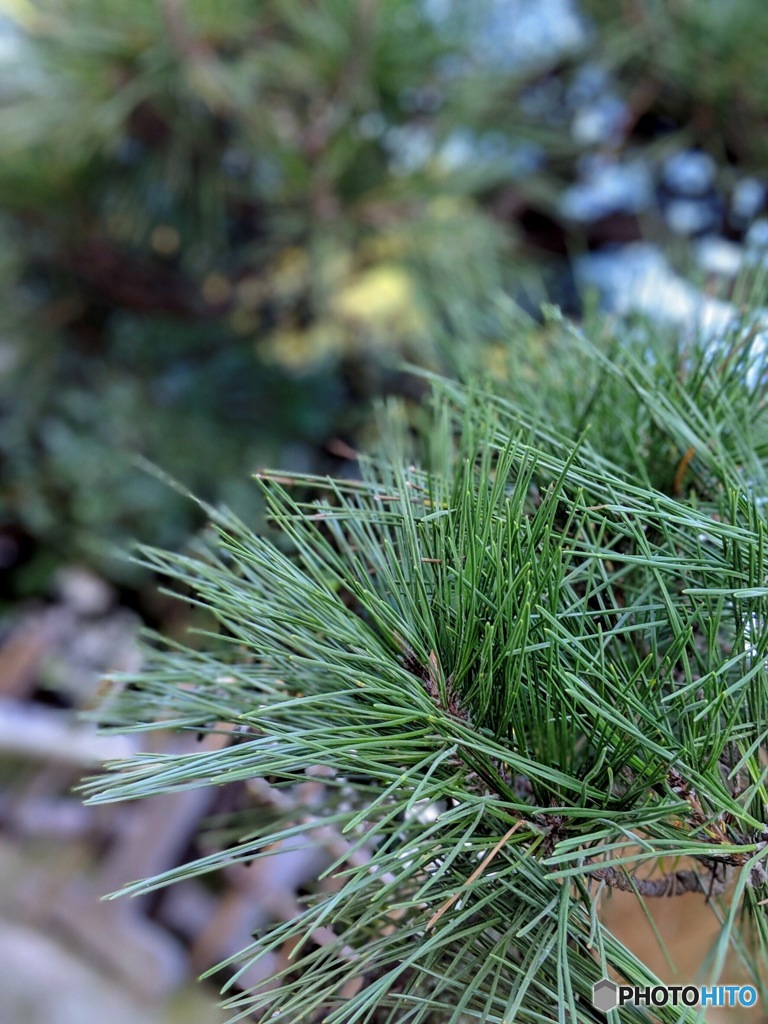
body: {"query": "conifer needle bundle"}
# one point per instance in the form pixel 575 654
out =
pixel 526 676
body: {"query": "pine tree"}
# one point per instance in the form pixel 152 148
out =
pixel 527 659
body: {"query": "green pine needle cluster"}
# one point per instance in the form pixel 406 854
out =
pixel 526 655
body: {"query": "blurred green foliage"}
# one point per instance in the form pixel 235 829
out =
pixel 223 230
pixel 698 62
pixel 220 228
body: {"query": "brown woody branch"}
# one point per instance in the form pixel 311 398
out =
pixel 673 884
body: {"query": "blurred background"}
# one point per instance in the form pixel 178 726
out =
pixel 224 230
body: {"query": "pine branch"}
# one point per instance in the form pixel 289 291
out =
pixel 520 670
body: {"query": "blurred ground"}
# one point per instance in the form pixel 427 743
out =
pixel 674 939
pixel 45 982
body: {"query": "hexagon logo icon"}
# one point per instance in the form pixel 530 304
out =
pixel 605 995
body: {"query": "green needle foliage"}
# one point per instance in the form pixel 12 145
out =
pixel 694 62
pixel 525 675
